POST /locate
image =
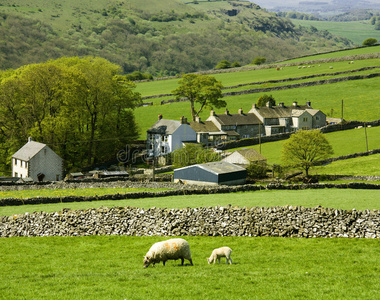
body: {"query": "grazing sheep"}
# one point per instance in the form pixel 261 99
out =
pixel 165 250
pixel 220 252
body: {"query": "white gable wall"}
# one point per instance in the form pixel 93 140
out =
pixel 47 162
pixel 184 133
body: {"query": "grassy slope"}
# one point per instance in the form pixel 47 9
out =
pixel 356 31
pixel 343 143
pixel 333 198
pixel 264 268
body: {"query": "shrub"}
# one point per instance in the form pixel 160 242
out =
pixel 369 42
pixel 224 64
pixel 259 60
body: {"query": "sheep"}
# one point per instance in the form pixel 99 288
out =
pixel 220 252
pixel 165 250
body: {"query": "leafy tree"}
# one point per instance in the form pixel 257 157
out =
pixel 192 154
pixel 259 60
pixel 304 148
pixel 369 42
pixel 264 99
pixel 82 108
pixel 203 90
pixel 224 64
pixel 235 65
pixel 377 26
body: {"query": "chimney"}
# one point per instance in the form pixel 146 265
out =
pixel 295 104
pixel 308 103
pixel 160 116
pixel 226 112
pixel 254 105
pixel 198 119
pixel 183 120
pixel 30 139
pixel 268 104
pixel 212 113
pixel 240 111
pixel 281 104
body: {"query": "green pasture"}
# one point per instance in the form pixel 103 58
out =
pixel 356 31
pixel 343 143
pixel 359 102
pixel 332 198
pixel 84 192
pixel 159 87
pixel 110 267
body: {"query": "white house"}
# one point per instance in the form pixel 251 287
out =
pixel 244 157
pixel 37 161
pixel 165 136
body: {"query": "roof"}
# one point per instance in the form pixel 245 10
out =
pixel 275 112
pixel 217 167
pixel 164 126
pixel 204 126
pixel 29 150
pixel 238 119
pixel 313 112
pixel 251 154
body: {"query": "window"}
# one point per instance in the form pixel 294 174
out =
pixel 305 119
pixel 16 174
pixel 163 149
pixel 317 118
pixel 16 162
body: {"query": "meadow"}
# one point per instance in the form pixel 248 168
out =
pixel 356 31
pixel 110 267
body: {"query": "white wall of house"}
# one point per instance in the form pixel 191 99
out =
pixel 45 161
pixel 20 168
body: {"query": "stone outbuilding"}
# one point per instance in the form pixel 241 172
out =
pixel 37 161
pixel 244 157
pixel 213 173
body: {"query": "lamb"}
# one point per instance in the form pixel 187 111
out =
pixel 220 252
pixel 166 250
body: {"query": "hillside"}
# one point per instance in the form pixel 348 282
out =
pixel 320 83
pixel 158 37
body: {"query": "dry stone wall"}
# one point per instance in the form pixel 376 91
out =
pixel 288 221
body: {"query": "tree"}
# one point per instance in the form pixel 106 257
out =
pixel 192 154
pixel 264 99
pixel 224 64
pixel 82 108
pixel 369 42
pixel 203 90
pixel 257 170
pixel 304 148
pixel 259 60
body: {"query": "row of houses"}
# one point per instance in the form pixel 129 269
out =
pixel 166 135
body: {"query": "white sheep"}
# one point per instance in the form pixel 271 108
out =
pixel 218 253
pixel 166 250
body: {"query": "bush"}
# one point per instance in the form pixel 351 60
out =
pixel 369 42
pixel 259 60
pixel 224 64
pixel 257 170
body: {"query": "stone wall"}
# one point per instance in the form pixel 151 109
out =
pixel 288 221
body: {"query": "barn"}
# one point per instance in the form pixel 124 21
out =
pixel 213 173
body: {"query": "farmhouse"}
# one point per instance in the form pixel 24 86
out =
pixel 213 173
pixel 244 157
pixel 165 136
pixel 281 118
pixel 237 126
pixel 37 161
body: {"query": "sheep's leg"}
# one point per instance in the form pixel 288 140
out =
pixel 230 261
pixel 182 260
pixel 163 262
pixel 219 259
pixel 191 262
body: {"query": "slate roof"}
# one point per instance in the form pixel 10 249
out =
pixel 275 112
pixel 164 126
pixel 204 126
pixel 238 119
pixel 29 150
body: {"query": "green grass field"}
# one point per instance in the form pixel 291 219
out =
pixel 110 267
pixel 343 143
pixel 332 198
pixel 356 31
